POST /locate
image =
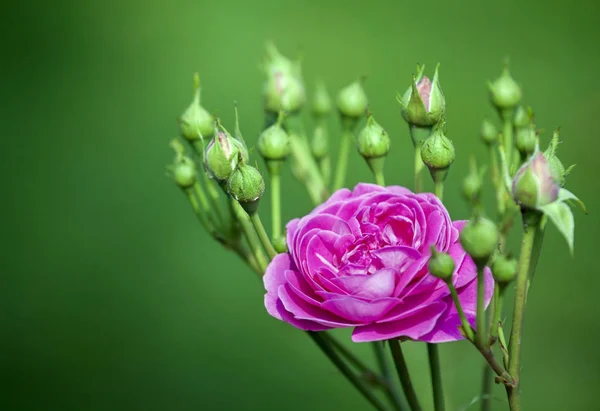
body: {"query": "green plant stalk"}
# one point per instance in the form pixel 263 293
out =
pixel 466 327
pixel 238 248
pixel 358 383
pixel 418 136
pixel 364 369
pixel 432 349
pixel 304 166
pixel 379 178
pixel 342 163
pixel 480 329
pixel 531 222
pixel 251 237
pixel 325 168
pixel 275 205
pixel 390 392
pixel 262 235
pixel 436 377
pixel 507 135
pixel 403 375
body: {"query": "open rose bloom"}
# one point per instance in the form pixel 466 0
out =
pixel 360 260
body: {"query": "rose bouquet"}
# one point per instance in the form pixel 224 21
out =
pixel 388 262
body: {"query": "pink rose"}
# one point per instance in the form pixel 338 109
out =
pixel 360 260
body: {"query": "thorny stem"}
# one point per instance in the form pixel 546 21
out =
pixel 481 332
pixel 275 205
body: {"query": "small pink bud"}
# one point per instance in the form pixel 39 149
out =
pixel 534 185
pixel 424 88
pixel 224 143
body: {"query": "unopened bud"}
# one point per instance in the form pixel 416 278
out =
pixel 274 143
pixel 479 238
pixel 441 265
pixel 438 153
pixel 321 104
pixel 373 141
pixel 352 101
pixel 280 244
pixel 319 144
pixel 246 185
pixel 472 183
pixel 196 123
pixel 221 156
pixel 284 89
pixel 423 104
pixel 488 133
pixel 534 185
pixel 522 117
pixel 183 169
pixel 559 173
pixel 504 269
pixel 505 93
pixel 526 140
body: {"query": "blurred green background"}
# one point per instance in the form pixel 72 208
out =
pixel 111 295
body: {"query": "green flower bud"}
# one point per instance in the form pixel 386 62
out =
pixel 522 117
pixel 321 104
pixel 352 101
pixel 505 93
pixel 437 151
pixel 526 140
pixel 280 244
pixel 533 185
pixel 479 238
pixel 246 185
pixel 504 269
pixel 557 169
pixel 472 183
pixel 284 89
pixel 373 141
pixel 274 143
pixel 441 265
pixel 489 133
pixel 423 104
pixel 319 145
pixel 183 169
pixel 221 156
pixel 196 123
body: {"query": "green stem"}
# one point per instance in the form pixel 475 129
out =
pixel 486 389
pixel 304 166
pixel 379 178
pixel 466 327
pixel 354 360
pixel 251 237
pixel 325 168
pixel 262 235
pixel 436 377
pixel 498 303
pixel 403 375
pixel 531 222
pixel 275 205
pixel 480 329
pixel 418 136
pixel 358 383
pixel 439 189
pixel 418 168
pixel 390 392
pixel 507 135
pixel 342 163
pixel 199 210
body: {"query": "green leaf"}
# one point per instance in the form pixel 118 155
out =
pixel 562 217
pixel 564 195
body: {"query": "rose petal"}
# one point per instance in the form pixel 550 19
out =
pixel 356 309
pixel 377 285
pixel 273 278
pixel 412 327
